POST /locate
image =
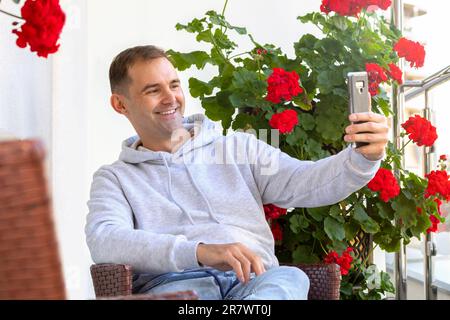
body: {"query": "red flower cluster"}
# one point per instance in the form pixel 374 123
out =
pixel 385 182
pixel 438 184
pixel 277 231
pixel 376 75
pixel 434 221
pixel 434 224
pixel 284 121
pixel 344 261
pixel 351 7
pixel 412 51
pixel 443 157
pixel 282 85
pixel 273 212
pixel 420 130
pixel 44 21
pixel 395 73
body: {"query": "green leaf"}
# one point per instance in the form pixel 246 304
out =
pixel 199 88
pixel 385 210
pixel 219 20
pixel 222 40
pixel 405 210
pixel 219 109
pixel 367 223
pixel 302 254
pixel 334 229
pixel 195 25
pixel 298 223
pixel 297 137
pixel 183 61
pixel 351 229
pixel 339 22
pixel 346 288
pixel 243 121
pixel 204 36
pixel 319 213
pixel 306 121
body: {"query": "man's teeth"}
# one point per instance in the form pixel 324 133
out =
pixel 168 112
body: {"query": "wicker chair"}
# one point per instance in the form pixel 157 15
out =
pixel 29 260
pixel 116 280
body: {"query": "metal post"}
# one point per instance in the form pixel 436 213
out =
pixel 430 247
pixel 397 106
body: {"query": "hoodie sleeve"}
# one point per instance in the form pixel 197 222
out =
pixel 288 182
pixel 111 236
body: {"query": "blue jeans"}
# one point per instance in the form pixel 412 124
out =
pixel 278 283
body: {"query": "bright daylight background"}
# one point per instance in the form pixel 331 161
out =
pixel 64 100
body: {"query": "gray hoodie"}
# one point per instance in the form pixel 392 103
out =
pixel 151 209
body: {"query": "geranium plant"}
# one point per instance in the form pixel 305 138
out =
pixel 305 97
pixel 41 23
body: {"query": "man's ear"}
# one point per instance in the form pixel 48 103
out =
pixel 118 103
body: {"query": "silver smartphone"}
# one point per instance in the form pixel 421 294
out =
pixel 358 91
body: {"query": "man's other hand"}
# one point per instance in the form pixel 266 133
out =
pixel 232 256
pixel 375 130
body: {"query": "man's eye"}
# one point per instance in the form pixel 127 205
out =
pixel 151 91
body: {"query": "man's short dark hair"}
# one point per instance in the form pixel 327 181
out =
pixel 118 71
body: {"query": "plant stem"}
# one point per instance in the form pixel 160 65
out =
pixel 223 15
pixel 12 15
pixel 224 7
pixel 364 262
pixel 389 159
pixel 321 245
pixel 239 54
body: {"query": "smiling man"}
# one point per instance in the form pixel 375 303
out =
pixel 186 224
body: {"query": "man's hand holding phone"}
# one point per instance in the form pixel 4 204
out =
pixel 374 131
pixel 368 131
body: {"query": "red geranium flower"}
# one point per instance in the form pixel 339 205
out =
pixel 385 182
pixel 434 224
pixel 273 212
pixel 438 184
pixel 284 121
pixel 376 75
pixel 412 51
pixel 351 7
pixel 443 157
pixel 282 85
pixel 382 4
pixel 420 130
pixel 395 73
pixel 277 231
pixel 345 261
pixel 44 21
pixel 342 7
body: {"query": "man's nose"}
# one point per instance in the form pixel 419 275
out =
pixel 168 96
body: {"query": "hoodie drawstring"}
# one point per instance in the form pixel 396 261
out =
pixel 170 192
pixel 210 210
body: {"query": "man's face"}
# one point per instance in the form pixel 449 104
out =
pixel 155 101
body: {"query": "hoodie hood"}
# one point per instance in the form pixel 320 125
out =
pixel 204 132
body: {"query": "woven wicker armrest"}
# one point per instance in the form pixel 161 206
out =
pixel 114 282
pixel 179 295
pixel 325 280
pixel 112 279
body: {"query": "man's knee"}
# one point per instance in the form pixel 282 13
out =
pixel 298 279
